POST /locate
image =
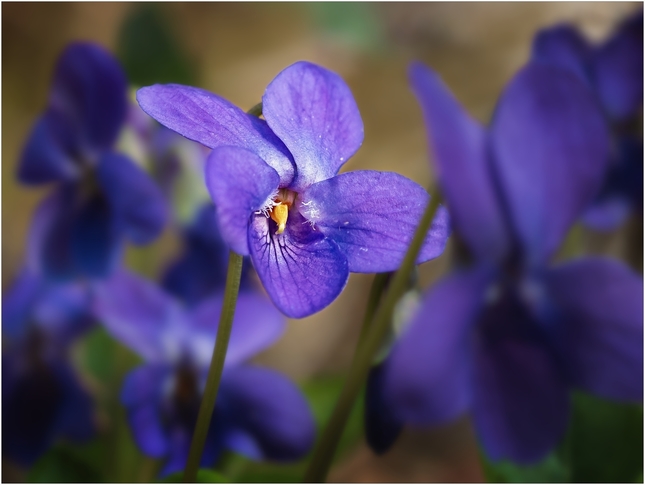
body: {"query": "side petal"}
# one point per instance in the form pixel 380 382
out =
pixel 382 426
pixel 550 146
pixel 89 89
pixel 48 153
pixel 601 327
pixel 521 398
pixel 271 409
pixel 617 70
pixel 76 418
pixel 302 270
pixel 563 46
pixel 136 201
pixel 212 121
pixel 314 113
pixel 257 324
pixel 459 145
pixel 427 377
pixel 240 183
pixel 17 303
pixel 373 216
pixel 141 395
pixel 135 312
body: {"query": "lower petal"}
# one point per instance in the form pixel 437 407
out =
pixel 521 403
pixel 601 305
pixel 302 270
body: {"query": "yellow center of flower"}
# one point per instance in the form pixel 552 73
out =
pixel 280 214
pixel 277 208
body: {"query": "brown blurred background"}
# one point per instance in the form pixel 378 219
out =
pixel 237 48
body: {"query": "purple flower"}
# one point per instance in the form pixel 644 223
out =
pixel 614 70
pixel 42 399
pixel 200 270
pixel 277 192
pixel 102 197
pixel 508 337
pixel 258 413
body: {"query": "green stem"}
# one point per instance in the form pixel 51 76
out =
pixel 324 451
pixel 378 287
pixel 217 365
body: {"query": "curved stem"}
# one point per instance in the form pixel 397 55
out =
pixel 216 367
pixel 324 451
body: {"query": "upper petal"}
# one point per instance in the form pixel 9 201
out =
pixel 89 89
pixel 600 301
pixel 460 154
pixel 550 146
pixel 563 46
pixel 372 216
pixel 617 70
pixel 302 270
pixel 428 375
pixel 137 203
pixel 135 312
pixel 256 326
pixel 314 113
pixel 212 121
pixel 271 409
pixel 521 399
pixel 240 183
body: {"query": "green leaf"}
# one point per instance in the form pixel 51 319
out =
pixel 607 441
pixel 61 465
pixel 98 353
pixel 203 476
pixel 149 51
pixel 552 469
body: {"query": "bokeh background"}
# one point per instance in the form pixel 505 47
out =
pixel 235 50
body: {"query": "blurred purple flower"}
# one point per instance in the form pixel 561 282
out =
pixel 102 196
pixel 42 399
pixel 510 336
pixel 259 413
pixel 614 70
pixel 200 270
pixel 277 192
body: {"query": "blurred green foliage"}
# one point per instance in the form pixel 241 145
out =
pixel 149 51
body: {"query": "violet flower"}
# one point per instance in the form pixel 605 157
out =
pixel 614 70
pixel 277 192
pixel 42 398
pixel 200 269
pixel 509 337
pixel 259 413
pixel 102 197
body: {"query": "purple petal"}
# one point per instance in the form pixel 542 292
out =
pixel 95 238
pixel 89 89
pixel 382 426
pixel 459 146
pixel 373 216
pixel 214 122
pixel 607 214
pixel 17 303
pixel 256 326
pixel 565 47
pixel 63 311
pixel 618 70
pixel 271 409
pixel 179 445
pixel 49 243
pixel 601 301
pixel 302 270
pixel 314 113
pixel 521 402
pixel 427 377
pixel 550 146
pixel 141 395
pixel 136 201
pixel 136 313
pixel 47 155
pixel 76 418
pixel 240 183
